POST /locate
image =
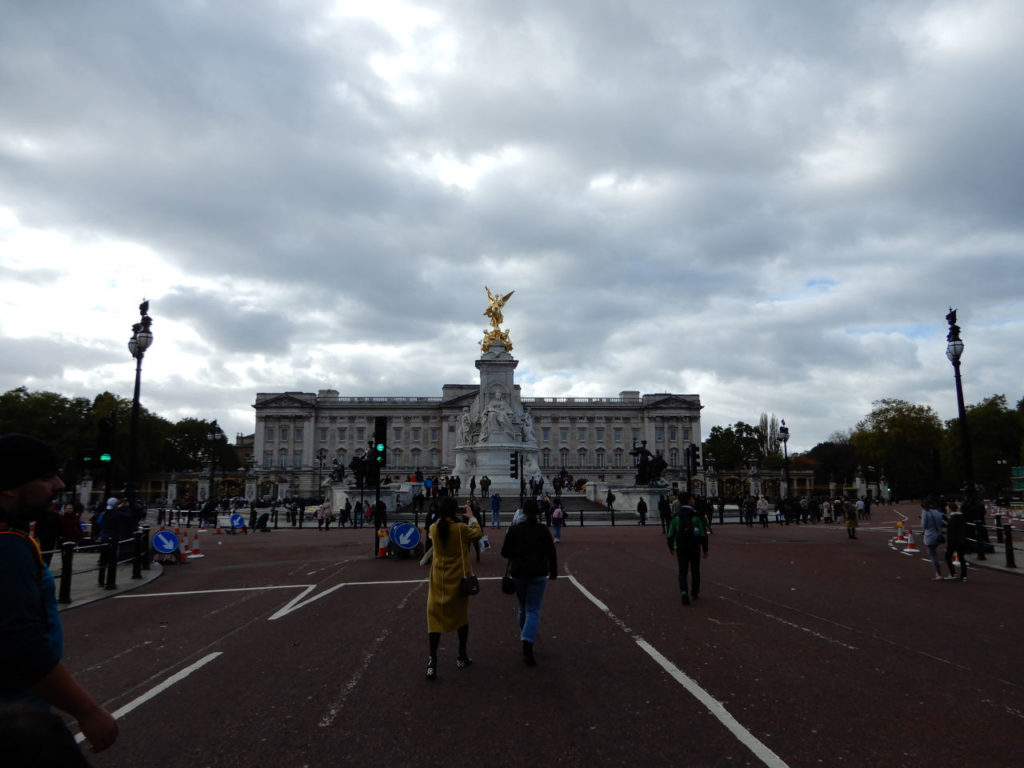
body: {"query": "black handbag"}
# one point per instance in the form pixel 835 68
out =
pixel 508 586
pixel 469 584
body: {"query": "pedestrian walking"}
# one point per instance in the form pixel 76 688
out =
pixel 496 510
pixel 533 560
pixel 688 540
pixel 447 607
pixel 641 510
pixel 762 511
pixel 850 511
pixel 557 519
pixel 931 526
pixel 956 533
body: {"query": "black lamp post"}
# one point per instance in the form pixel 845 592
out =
pixel 784 437
pixel 142 338
pixel 954 349
pixel 214 438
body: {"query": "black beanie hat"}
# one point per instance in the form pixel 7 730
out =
pixel 24 458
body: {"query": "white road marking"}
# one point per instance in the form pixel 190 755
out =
pixel 209 591
pixel 177 677
pixel 332 713
pixel 794 625
pixel 715 707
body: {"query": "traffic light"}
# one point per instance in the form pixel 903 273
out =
pixel 380 441
pixel 105 438
pixel 694 457
pixel 513 464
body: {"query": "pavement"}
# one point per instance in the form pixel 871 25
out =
pixel 85 586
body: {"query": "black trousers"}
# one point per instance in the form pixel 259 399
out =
pixel 689 566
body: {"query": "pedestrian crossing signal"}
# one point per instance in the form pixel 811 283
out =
pixel 513 464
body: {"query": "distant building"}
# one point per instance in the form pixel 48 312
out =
pixel 300 436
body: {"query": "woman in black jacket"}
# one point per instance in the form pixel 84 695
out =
pixel 531 552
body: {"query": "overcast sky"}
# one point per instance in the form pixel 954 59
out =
pixel 770 204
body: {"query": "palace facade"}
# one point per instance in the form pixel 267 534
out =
pixel 301 436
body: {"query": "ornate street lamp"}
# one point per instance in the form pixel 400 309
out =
pixel 784 437
pixel 954 349
pixel 141 340
pixel 214 438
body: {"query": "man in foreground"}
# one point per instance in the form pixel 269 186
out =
pixel 31 637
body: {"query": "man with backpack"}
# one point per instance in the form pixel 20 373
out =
pixel 688 538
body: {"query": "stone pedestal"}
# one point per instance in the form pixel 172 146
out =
pixel 494 427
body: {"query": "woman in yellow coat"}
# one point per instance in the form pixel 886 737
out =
pixel 447 610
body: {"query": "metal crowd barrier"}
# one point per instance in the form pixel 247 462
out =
pixel 111 555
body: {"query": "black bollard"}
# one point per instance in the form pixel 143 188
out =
pixel 137 554
pixel 980 539
pixel 112 547
pixel 1011 560
pixel 67 556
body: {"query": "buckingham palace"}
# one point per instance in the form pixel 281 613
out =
pixel 300 437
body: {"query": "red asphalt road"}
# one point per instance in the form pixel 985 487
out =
pixel 806 649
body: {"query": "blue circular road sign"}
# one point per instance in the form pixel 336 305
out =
pixel 165 542
pixel 237 521
pixel 405 535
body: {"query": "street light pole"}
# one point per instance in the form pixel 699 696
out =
pixel 954 349
pixel 214 438
pixel 784 437
pixel 142 338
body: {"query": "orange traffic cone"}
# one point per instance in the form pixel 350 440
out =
pixel 195 548
pixel 899 529
pixel 910 544
pixel 217 531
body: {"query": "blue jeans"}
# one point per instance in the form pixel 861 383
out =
pixel 530 593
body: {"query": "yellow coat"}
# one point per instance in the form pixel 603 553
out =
pixel 447 610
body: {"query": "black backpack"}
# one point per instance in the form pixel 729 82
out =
pixel 686 533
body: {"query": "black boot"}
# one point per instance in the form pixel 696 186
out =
pixel 528 654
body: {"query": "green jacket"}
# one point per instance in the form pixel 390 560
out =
pixel 687 516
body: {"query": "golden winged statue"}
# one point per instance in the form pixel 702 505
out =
pixel 495 303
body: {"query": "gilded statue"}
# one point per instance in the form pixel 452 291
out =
pixel 495 334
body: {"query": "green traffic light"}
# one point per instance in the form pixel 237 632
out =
pixel 104 457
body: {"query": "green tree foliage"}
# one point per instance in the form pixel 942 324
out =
pixel 71 425
pixel 735 446
pixel 834 460
pixel 905 440
pixel 996 434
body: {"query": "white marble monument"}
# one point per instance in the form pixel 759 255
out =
pixel 495 425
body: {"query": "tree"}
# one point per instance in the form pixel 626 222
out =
pixel 904 440
pixel 996 434
pixel 735 446
pixel 832 461
pixel 72 425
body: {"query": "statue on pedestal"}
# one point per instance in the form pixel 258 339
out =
pixel 495 333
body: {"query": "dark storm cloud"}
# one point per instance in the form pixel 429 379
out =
pixel 229 324
pixel 777 201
